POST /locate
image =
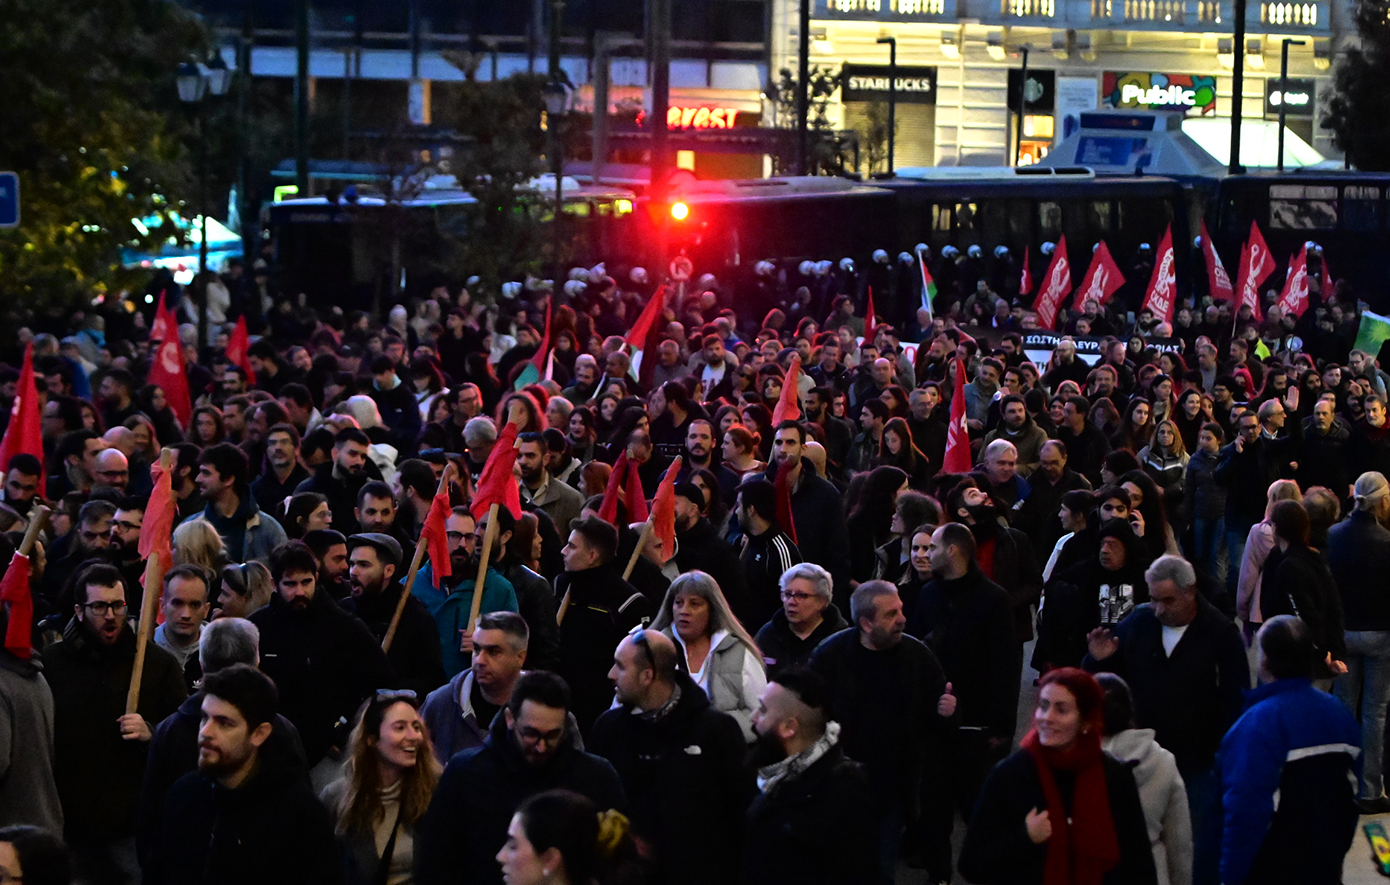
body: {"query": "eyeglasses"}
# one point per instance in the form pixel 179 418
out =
pixel 536 736
pixel 796 596
pixel 127 526
pixel 102 609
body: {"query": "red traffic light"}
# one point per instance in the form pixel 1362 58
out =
pixel 680 211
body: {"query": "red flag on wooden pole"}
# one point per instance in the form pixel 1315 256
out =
pixel 1056 285
pixel 663 513
pixel 166 366
pixel 496 484
pixel 25 430
pixel 434 536
pixel 1163 284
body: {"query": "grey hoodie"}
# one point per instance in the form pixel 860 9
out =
pixel 1164 798
pixel 28 793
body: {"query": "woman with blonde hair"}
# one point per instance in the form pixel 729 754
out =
pixel 196 542
pixel 1258 543
pixel 386 787
pixel 716 650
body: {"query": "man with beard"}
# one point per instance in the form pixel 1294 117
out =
pixel 23 476
pixel 1326 445
pixel 927 423
pixel 967 620
pixel 89 539
pixel 373 562
pixel 342 477
pixel 285 473
pixel 99 751
pixel 535 599
pixel 234 413
pixel 123 544
pixel 242 814
pixel 330 549
pixel 818 511
pixel 529 749
pixel 376 510
pixel 829 371
pixel 76 457
pixel 1004 555
pixel 680 762
pixel 247 532
pixel 458 713
pixel 1048 484
pixel 1066 366
pixel 699 455
pixel 187 496
pixel 585 380
pixel 112 471
pixel 1018 429
pixel 839 432
pixel 1086 445
pixel 812 820
pixel 323 660
pixel 259 419
pixel 450 600
pixel 698 546
pixel 561 502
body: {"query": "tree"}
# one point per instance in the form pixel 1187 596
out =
pixel 92 125
pixel 876 137
pixel 828 151
pixel 1358 110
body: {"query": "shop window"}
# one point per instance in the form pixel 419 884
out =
pixel 1302 207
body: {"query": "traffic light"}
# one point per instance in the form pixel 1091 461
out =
pixel 680 211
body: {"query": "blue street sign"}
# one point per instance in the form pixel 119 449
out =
pixel 9 199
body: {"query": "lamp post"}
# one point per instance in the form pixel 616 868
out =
pixel 1284 91
pixel 194 82
pixel 892 95
pixel 1237 86
pixel 1022 105
pixel 555 100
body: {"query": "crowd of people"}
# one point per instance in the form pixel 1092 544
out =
pixel 821 682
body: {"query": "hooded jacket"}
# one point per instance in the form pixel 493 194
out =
pixel 1164 798
pixel 782 649
pixel 1074 597
pixel 458 839
pixel 686 783
pixel 324 662
pixel 28 792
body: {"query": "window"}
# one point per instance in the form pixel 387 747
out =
pixel 1361 208
pixel 1302 207
pixel 1049 220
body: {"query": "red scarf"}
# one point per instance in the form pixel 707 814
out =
pixel 783 487
pixel 1083 851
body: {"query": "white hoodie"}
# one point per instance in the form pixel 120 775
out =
pixel 1164 798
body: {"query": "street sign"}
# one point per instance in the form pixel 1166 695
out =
pixel 681 268
pixel 9 199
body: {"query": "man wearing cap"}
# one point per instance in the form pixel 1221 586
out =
pixel 698 545
pixel 374 560
pixel 1357 549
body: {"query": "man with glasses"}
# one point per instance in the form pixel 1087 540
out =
pixel 532 747
pixel 123 543
pixel 112 471
pixel 99 750
pixel 89 540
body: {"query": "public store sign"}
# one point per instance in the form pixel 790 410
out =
pixel 1158 91
pixel 913 84
pixel 1296 101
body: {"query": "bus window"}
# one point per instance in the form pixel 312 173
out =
pixel 1049 220
pixel 1141 221
pixel 941 218
pixel 1302 207
pixel 1098 218
pixel 995 227
pixel 967 225
pixel 1361 208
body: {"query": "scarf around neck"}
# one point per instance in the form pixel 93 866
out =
pixel 769 776
pixel 1085 847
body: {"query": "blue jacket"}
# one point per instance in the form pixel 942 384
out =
pixel 451 609
pixel 1289 773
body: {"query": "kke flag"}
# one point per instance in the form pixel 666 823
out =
pixel 1025 280
pixel 1102 279
pixel 166 367
pixel 1056 285
pixel 1218 281
pixel 788 406
pixel 25 431
pixel 496 484
pixel 663 513
pixel 957 457
pixel 928 285
pixel 238 346
pixel 434 536
pixel 1163 284
pixel 1294 298
pixel 14 589
pixel 1256 265
pixel 869 319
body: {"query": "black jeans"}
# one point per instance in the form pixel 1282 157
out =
pixel 952 784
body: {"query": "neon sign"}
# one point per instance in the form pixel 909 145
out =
pixel 701 118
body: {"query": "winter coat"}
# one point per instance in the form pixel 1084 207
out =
pixel 325 663
pixel 1164 798
pixel 28 791
pixel 453 724
pixel 458 839
pixel 686 783
pixel 535 601
pixel 1202 496
pixel 341 493
pixel 822 536
pixel 603 609
pixel 997 850
pixel 1324 458
pixel 1358 549
pixel 415 656
pixel 1289 773
pixel 452 603
pixel 1028 440
pixel 782 649
pixel 1073 607
pixel 1189 698
pixel 1247 475
pixel 1297 582
pixel 700 547
pixel 816 828
pixel 99 773
pixel 271 830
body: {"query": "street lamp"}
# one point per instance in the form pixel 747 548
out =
pixel 892 95
pixel 194 81
pixel 1284 91
pixel 555 100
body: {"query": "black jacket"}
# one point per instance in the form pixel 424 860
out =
pixel 459 837
pixel 270 493
pixel 174 753
pixel 818 511
pixel 813 829
pixel 997 850
pixel 1247 476
pixel 535 602
pixel 700 547
pixel 685 781
pixel 782 649
pixel 1324 459
pixel 325 663
pixel 401 414
pixel 765 557
pixel 98 773
pixel 603 609
pixel 1297 582
pixel 1041 523
pixel 968 624
pixel 272 830
pixel 1085 450
pixel 341 495
pixel 1358 549
pixel 1191 698
pixel 1072 608
pixel 1015 567
pixel 417 663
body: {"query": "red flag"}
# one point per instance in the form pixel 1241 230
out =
pixel 166 366
pixel 788 406
pixel 957 457
pixel 1294 298
pixel 539 359
pixel 1163 284
pixel 1056 285
pixel 632 488
pixel 1218 281
pixel 869 318
pixel 434 535
pixel 161 512
pixel 783 487
pixel 1102 278
pixel 1256 264
pixel 1025 282
pixel 1329 285
pixel 625 484
pixel 637 335
pixel 496 484
pixel 14 589
pixel 25 431
pixel 612 493
pixel 238 346
pixel 664 511
pixel 164 324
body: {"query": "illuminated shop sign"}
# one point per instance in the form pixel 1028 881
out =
pixel 1157 91
pixel 701 118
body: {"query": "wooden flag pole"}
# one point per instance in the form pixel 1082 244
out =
pixel 38 519
pixel 564 607
pixel 647 528
pixel 154 579
pixel 414 570
pixel 489 538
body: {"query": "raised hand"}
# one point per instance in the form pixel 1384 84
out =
pixel 1101 643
